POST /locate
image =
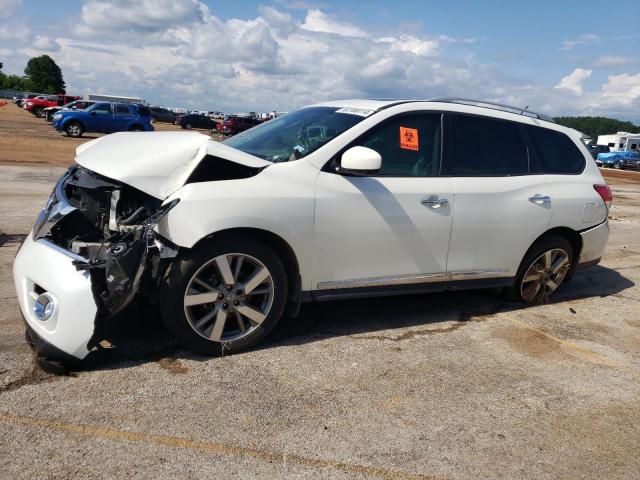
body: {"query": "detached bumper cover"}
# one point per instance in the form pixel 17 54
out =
pixel 594 241
pixel 42 267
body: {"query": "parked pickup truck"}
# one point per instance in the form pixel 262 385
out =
pixel 49 112
pixel 104 117
pixel 38 104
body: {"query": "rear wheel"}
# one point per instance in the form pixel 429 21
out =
pixel 136 128
pixel 188 126
pixel 74 129
pixel 39 112
pixel 544 269
pixel 225 296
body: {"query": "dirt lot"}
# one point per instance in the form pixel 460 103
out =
pixel 457 385
pixel 26 139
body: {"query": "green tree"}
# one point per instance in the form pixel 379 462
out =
pixel 594 126
pixel 45 75
pixel 13 82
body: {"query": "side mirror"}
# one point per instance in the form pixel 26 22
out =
pixel 360 161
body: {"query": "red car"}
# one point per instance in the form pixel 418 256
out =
pixel 38 104
pixel 234 124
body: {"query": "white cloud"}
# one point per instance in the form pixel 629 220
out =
pixel 141 15
pixel 42 42
pixel 606 61
pixel 574 80
pixel 409 43
pixel 622 90
pixel 14 31
pixel 278 20
pixel 586 39
pixel 318 21
pixel 448 39
pixel 7 7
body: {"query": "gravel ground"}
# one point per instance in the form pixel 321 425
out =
pixel 456 385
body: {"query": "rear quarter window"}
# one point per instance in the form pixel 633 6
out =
pixel 144 111
pixel 556 152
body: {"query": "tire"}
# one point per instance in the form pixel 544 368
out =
pixel 197 326
pixel 39 112
pixel 535 280
pixel 74 129
pixel 187 126
pixel 136 128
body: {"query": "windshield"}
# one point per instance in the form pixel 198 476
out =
pixel 294 135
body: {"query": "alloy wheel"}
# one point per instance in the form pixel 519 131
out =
pixel 545 274
pixel 229 297
pixel 74 130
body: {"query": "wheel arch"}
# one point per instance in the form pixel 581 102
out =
pixel 73 120
pixel 280 246
pixel 570 234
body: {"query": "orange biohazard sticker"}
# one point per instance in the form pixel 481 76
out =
pixel 409 138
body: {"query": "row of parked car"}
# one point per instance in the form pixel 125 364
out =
pixel 74 116
pixel 231 124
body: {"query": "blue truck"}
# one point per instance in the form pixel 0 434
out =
pixel 104 117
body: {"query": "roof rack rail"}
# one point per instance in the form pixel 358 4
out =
pixel 494 106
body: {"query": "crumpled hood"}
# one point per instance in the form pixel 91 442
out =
pixel 158 163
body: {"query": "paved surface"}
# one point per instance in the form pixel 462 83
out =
pixel 457 385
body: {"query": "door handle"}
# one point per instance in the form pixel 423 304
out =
pixel 540 199
pixel 434 202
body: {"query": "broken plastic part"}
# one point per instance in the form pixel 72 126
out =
pixel 118 265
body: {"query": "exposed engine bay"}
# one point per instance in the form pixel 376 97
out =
pixel 109 227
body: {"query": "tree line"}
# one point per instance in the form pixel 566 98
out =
pixel 594 126
pixel 41 75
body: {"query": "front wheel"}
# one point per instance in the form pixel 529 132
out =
pixel 545 267
pixel 225 296
pixel 74 129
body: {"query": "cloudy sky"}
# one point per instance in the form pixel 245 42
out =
pixel 560 57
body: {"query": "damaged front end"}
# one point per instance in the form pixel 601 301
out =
pixel 108 227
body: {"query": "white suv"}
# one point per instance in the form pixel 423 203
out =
pixel 339 200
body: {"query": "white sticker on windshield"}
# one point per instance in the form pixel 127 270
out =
pixel 363 112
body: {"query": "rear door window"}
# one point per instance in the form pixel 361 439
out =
pixel 556 152
pixel 144 111
pixel 486 147
pixel 122 109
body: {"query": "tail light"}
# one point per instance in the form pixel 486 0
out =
pixel 605 193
